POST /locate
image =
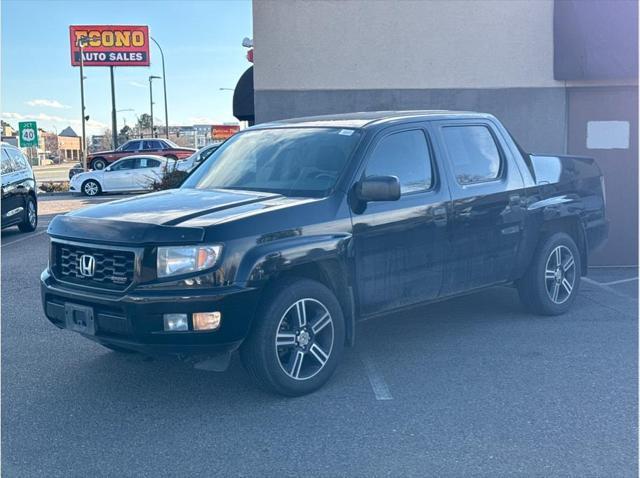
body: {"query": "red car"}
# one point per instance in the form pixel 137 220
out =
pixel 157 146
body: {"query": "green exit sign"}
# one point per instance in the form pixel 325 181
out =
pixel 28 132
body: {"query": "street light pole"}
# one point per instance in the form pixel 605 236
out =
pixel 164 84
pixel 151 78
pixel 81 44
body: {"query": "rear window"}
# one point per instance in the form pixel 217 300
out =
pixel 473 153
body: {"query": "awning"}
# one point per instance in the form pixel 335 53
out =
pixel 243 108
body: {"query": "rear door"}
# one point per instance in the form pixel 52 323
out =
pixel 400 245
pixel 146 172
pixel 487 192
pixel 152 146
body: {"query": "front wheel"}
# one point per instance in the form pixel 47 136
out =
pixel 551 283
pixel 91 188
pixel 30 221
pixel 297 340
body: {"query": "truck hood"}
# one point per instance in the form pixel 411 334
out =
pixel 174 216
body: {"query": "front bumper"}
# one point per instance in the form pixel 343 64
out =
pixel 135 320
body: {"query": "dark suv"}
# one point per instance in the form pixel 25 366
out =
pixel 19 201
pixel 157 146
pixel 292 231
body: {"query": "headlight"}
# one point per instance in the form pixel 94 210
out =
pixel 185 259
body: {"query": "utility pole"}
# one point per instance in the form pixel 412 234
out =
pixel 81 43
pixel 114 121
pixel 151 78
pixel 164 84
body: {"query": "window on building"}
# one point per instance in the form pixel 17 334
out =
pixel 405 155
pixel 473 153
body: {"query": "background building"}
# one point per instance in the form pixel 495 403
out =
pixel 69 145
pixel 562 75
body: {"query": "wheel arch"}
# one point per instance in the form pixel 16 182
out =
pixel 573 226
pixel 321 259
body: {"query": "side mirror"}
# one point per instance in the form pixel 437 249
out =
pixel 378 188
pixel 107 169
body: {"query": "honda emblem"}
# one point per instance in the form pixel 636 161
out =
pixel 87 265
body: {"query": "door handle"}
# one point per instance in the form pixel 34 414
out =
pixel 439 215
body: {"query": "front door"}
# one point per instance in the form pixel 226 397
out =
pixel 400 245
pixel 487 205
pixel 119 176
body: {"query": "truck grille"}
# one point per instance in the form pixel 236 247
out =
pixel 111 269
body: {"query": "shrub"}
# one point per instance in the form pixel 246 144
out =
pixel 54 186
pixel 169 180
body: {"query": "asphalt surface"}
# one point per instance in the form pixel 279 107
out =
pixel 468 387
pixel 53 172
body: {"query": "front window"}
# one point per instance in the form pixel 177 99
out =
pixel 130 146
pixel 288 161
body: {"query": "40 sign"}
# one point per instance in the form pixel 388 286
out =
pixel 110 45
pixel 28 132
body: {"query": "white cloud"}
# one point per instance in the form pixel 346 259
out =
pixel 48 103
pixel 137 84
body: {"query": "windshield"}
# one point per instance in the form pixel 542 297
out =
pixel 288 161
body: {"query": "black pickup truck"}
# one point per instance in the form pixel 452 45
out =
pixel 293 231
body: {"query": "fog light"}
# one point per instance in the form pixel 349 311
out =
pixel 206 320
pixel 175 322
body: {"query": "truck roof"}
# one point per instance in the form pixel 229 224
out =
pixel 366 118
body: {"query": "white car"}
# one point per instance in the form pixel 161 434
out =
pixel 132 173
pixel 197 158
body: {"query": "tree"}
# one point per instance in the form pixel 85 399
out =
pixel 144 122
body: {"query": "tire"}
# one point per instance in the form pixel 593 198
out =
pixel 30 221
pixel 91 188
pixel 98 164
pixel 120 350
pixel 310 348
pixel 552 282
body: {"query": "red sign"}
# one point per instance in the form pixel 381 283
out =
pixel 110 45
pixel 220 132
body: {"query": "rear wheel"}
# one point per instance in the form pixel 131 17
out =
pixel 91 187
pixel 98 164
pixel 552 281
pixel 30 221
pixel 298 339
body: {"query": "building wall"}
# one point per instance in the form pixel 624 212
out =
pixel 333 56
pixel 495 56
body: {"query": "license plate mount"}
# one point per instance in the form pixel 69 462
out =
pixel 79 318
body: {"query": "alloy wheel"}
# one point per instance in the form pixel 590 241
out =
pixel 91 188
pixel 304 340
pixel 560 274
pixel 32 215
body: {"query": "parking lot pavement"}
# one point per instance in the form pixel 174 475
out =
pixel 52 172
pixel 467 387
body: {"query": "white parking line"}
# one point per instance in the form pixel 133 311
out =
pixel 621 281
pixel 378 384
pixel 605 287
pixel 24 238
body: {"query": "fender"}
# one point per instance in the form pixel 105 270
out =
pixel 264 261
pixel 330 252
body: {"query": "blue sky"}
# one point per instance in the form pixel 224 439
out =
pixel 202 43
